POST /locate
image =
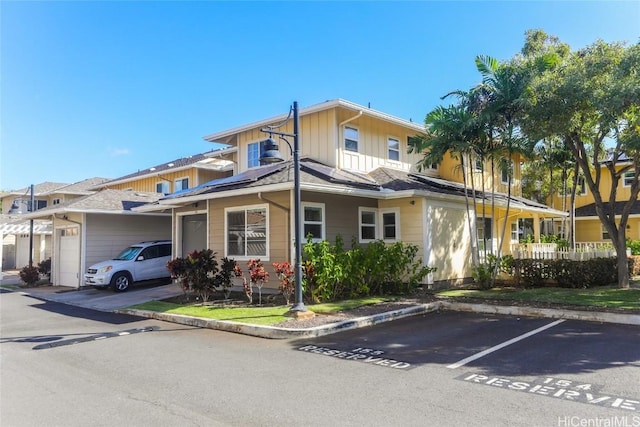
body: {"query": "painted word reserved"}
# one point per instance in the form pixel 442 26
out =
pixel 366 355
pixel 560 389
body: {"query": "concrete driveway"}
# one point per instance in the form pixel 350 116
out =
pixel 103 300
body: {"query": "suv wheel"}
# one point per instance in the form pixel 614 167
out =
pixel 120 282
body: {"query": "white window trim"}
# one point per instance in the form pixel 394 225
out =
pixel 226 232
pixel 322 224
pixel 379 225
pixel 375 226
pixel 390 137
pixel 180 179
pixel 163 183
pixel 56 201
pixel 624 179
pixel 248 151
pixel 344 138
pixel 515 229
pixel 395 211
pixel 603 231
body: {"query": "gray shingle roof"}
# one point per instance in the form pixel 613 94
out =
pixel 105 200
pixel 590 209
pixel 379 180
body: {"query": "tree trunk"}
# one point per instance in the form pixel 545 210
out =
pixel 623 262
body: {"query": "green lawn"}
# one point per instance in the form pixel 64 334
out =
pixel 628 299
pixel 251 314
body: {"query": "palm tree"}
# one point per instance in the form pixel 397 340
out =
pixel 449 130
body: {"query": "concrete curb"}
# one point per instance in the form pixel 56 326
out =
pixel 273 332
pixel 587 316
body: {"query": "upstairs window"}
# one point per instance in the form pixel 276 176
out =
pixel 582 187
pixel 254 151
pixel 181 184
pixel 627 179
pixel 162 187
pixel 351 138
pixel 393 149
pixel 56 201
pixel 506 172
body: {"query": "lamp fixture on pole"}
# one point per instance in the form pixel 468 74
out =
pixel 271 154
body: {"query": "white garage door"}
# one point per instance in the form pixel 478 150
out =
pixel 69 257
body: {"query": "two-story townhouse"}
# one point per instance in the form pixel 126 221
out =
pixel 99 225
pixel 588 227
pixel 18 235
pixel 357 180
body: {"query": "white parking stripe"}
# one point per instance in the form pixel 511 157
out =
pixel 502 345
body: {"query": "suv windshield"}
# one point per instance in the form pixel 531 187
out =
pixel 129 253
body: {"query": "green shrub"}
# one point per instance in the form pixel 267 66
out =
pixel 566 273
pixel 634 245
pixel 333 273
pixel 199 273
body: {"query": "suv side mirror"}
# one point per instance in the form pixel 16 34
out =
pixel 140 258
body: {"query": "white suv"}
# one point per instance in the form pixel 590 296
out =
pixel 142 261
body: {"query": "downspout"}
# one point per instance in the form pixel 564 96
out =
pixel 288 216
pixel 340 132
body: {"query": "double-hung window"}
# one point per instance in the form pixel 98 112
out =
pixel 390 224
pixel 379 224
pixel 246 232
pixel 351 138
pixel 181 184
pixel 627 179
pixel 368 224
pixel 313 221
pixel 393 149
pixel 162 187
pixel 254 151
pixel 506 172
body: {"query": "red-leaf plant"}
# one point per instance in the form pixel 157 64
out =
pixel 248 290
pixel 285 274
pixel 258 276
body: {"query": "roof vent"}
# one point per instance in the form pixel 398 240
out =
pixel 170 165
pixel 152 169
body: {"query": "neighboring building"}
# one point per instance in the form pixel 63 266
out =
pixel 588 227
pixel 357 181
pixel 16 232
pixel 176 175
pixel 97 227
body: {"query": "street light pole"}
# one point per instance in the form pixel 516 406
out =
pixel 271 154
pixel 299 304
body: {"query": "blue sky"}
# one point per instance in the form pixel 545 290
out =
pixel 107 88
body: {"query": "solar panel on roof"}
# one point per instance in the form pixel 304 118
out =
pixel 248 176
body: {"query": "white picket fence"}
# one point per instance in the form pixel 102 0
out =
pixel 582 252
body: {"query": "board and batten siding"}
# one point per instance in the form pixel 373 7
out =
pixel 373 151
pixel 107 235
pixel 148 183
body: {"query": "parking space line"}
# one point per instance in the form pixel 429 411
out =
pixel 502 345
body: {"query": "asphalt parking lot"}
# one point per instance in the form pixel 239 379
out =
pixel 584 362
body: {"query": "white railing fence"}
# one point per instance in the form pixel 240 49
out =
pixel 582 252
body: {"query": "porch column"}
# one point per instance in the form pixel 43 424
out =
pixel 536 228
